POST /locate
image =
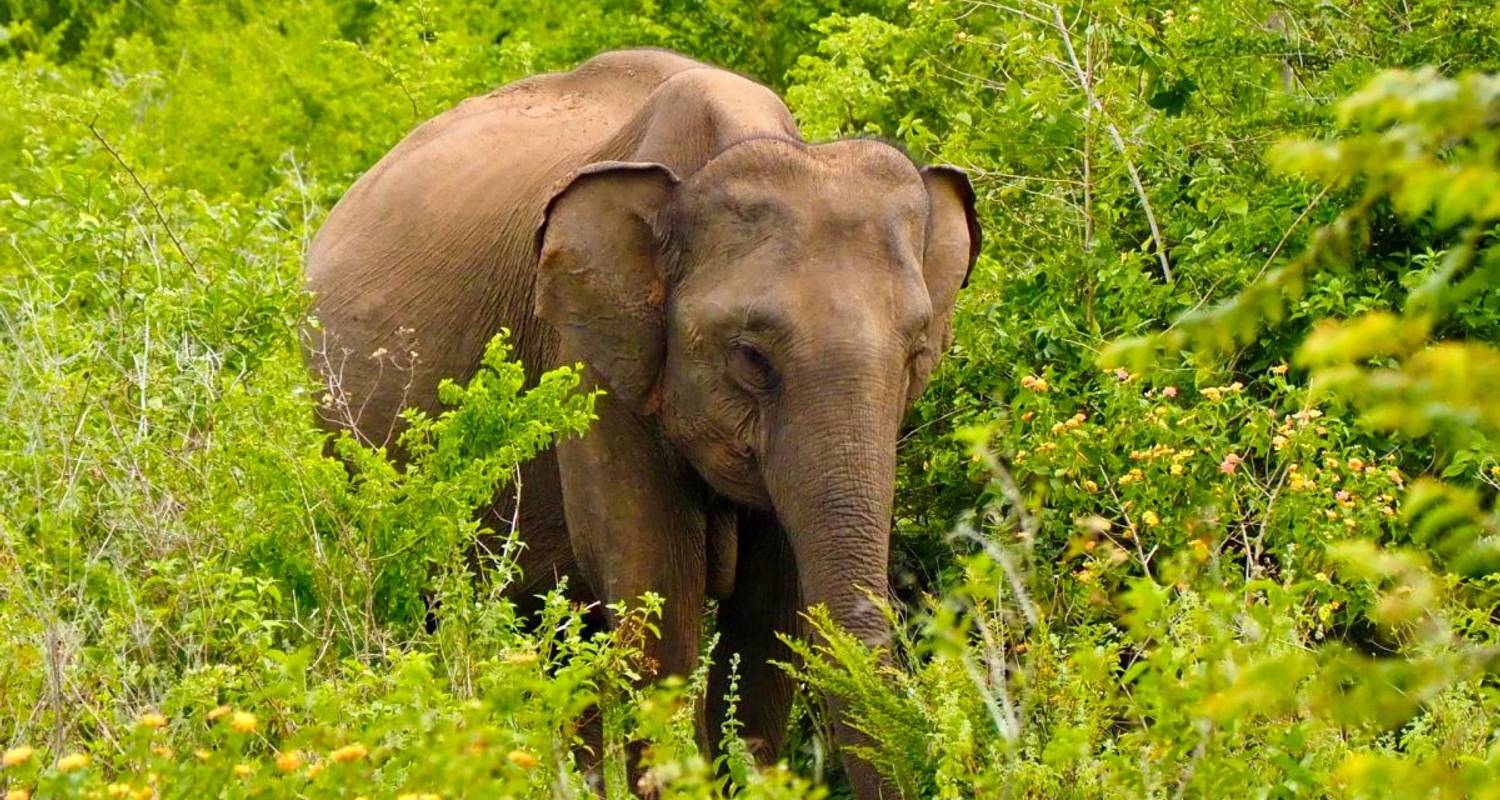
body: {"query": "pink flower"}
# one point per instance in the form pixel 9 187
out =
pixel 1122 375
pixel 1230 463
pixel 1170 391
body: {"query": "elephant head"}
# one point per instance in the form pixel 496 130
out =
pixel 775 314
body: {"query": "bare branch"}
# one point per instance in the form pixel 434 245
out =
pixel 1083 78
pixel 160 217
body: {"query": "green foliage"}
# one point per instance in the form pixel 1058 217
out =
pixel 1189 571
pixel 1202 502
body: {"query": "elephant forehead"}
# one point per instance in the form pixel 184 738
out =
pixel 845 181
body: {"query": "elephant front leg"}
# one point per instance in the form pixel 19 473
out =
pixel 764 604
pixel 636 521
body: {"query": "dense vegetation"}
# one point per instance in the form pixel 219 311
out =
pixel 1200 505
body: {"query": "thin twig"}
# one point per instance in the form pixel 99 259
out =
pixel 1088 150
pixel 139 184
pixel 1265 265
pixel 1119 141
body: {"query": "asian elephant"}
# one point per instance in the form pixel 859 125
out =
pixel 760 311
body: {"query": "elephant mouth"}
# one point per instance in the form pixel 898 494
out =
pixel 733 471
pixel 729 466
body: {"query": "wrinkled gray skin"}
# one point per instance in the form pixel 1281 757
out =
pixel 760 310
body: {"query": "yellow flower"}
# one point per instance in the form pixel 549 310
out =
pixel 1177 469
pixel 312 771
pixel 163 751
pixel 73 762
pixel 349 752
pixel 521 758
pixel 1279 369
pixel 218 712
pixel 243 771
pixel 1150 518
pixel 1356 465
pixel 16 756
pixel 1034 383
pixel 243 721
pixel 152 720
pixel 202 755
pixel 18 794
pixel 117 790
pixel 1090 486
pixel 1214 393
pixel 289 760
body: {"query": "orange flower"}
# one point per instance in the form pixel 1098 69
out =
pixel 16 756
pixel 218 712
pixel 521 758
pixel 289 760
pixel 349 752
pixel 73 762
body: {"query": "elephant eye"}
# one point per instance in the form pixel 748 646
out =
pixel 750 368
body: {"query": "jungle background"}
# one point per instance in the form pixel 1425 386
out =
pixel 1200 504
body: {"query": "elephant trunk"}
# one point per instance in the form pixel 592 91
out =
pixel 831 477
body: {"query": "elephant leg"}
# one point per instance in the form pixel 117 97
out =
pixel 764 603
pixel 636 520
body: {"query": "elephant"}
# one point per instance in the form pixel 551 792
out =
pixel 760 312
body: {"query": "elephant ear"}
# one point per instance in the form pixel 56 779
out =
pixel 953 240
pixel 601 282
